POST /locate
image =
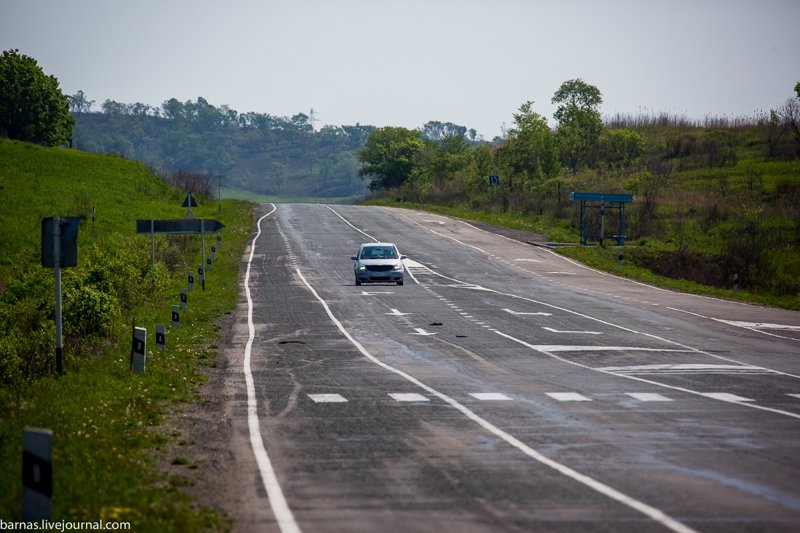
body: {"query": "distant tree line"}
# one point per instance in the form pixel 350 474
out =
pixel 534 161
pixel 258 152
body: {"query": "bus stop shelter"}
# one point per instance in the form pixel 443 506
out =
pixel 590 219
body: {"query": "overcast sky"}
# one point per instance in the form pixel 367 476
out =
pixel 406 62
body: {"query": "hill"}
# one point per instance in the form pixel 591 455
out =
pixel 104 418
pixel 259 153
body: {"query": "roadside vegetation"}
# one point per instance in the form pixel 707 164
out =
pixel 105 419
pixel 716 201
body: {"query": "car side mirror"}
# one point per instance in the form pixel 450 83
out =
pixel 402 257
pixel 354 258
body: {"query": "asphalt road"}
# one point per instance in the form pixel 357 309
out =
pixel 502 388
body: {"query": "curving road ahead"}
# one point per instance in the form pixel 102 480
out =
pixel 502 388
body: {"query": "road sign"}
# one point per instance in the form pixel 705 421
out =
pixel 179 226
pixel 494 180
pixel 67 230
pixel 189 201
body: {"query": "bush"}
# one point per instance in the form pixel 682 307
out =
pixel 89 311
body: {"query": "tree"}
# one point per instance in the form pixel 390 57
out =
pixel 531 147
pixel 579 122
pixel 32 106
pixel 78 103
pixel 388 156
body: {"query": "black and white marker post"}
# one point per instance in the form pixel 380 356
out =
pixel 161 337
pixel 139 350
pixel 37 474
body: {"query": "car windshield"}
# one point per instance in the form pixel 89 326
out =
pixel 378 252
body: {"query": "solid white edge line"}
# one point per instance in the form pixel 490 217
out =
pixel 648 510
pixel 280 509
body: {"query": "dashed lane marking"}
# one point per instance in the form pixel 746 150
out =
pixel 568 397
pixel 490 396
pixel 327 398
pixel 648 397
pixel 408 397
pixel 726 397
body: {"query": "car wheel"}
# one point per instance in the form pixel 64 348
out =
pixel 399 282
pixel 358 282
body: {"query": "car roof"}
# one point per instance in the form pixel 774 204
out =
pixel 378 244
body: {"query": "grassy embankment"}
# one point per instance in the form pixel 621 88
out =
pixel 105 419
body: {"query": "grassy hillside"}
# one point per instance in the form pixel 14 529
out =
pixel 105 419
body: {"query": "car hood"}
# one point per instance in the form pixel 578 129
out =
pixel 377 262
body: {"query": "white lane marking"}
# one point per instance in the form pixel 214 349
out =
pixel 421 331
pixel 794 395
pixel 575 348
pixel 280 509
pixel 408 397
pixel 726 397
pixel 568 397
pixel 395 312
pixel 686 368
pixel 529 260
pixel 752 326
pixel 328 398
pixel 576 332
pixel 642 380
pixel 490 396
pixel 598 486
pixel 365 293
pixel 648 396
pixel 520 313
pixel 760 325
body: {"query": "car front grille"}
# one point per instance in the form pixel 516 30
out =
pixel 379 268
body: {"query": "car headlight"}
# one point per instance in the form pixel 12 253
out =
pixel 398 267
pixel 362 268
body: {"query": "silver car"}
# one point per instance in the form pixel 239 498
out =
pixel 378 262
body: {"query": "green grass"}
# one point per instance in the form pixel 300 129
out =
pixel 106 420
pixel 550 229
pixel 606 259
pixel 265 198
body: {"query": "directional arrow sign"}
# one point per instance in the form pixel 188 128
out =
pixel 522 313
pixel 179 226
pixel 395 312
pixel 420 331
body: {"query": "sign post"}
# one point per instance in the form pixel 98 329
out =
pixel 59 250
pixel 181 226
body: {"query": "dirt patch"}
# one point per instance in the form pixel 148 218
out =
pixel 196 457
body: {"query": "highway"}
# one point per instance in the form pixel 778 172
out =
pixel 501 388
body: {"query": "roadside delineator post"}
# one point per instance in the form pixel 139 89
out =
pixel 176 317
pixel 139 350
pixel 161 337
pixel 37 474
pixel 184 299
